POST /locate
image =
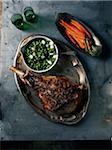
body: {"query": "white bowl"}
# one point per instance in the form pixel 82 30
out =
pixel 26 40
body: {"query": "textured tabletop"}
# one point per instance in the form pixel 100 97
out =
pixel 18 121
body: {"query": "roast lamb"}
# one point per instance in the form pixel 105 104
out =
pixel 55 92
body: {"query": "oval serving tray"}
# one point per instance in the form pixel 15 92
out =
pixel 68 65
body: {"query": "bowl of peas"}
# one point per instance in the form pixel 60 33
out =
pixel 39 53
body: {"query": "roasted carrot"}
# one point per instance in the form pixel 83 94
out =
pixel 70 37
pixel 77 34
pixel 67 26
pixel 63 23
pixel 76 24
pixel 80 27
pixel 77 38
pixel 81 34
pixel 80 43
pixel 72 40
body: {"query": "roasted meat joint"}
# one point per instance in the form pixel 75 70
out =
pixel 53 91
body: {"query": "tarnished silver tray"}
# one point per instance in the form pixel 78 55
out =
pixel 68 65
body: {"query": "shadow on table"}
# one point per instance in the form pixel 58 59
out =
pixel 40 24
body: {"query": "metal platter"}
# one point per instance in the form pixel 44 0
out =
pixel 68 65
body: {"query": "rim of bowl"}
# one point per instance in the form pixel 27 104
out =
pixel 32 37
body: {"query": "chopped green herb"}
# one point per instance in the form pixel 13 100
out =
pixel 40 54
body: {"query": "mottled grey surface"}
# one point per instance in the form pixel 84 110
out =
pixel 18 120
